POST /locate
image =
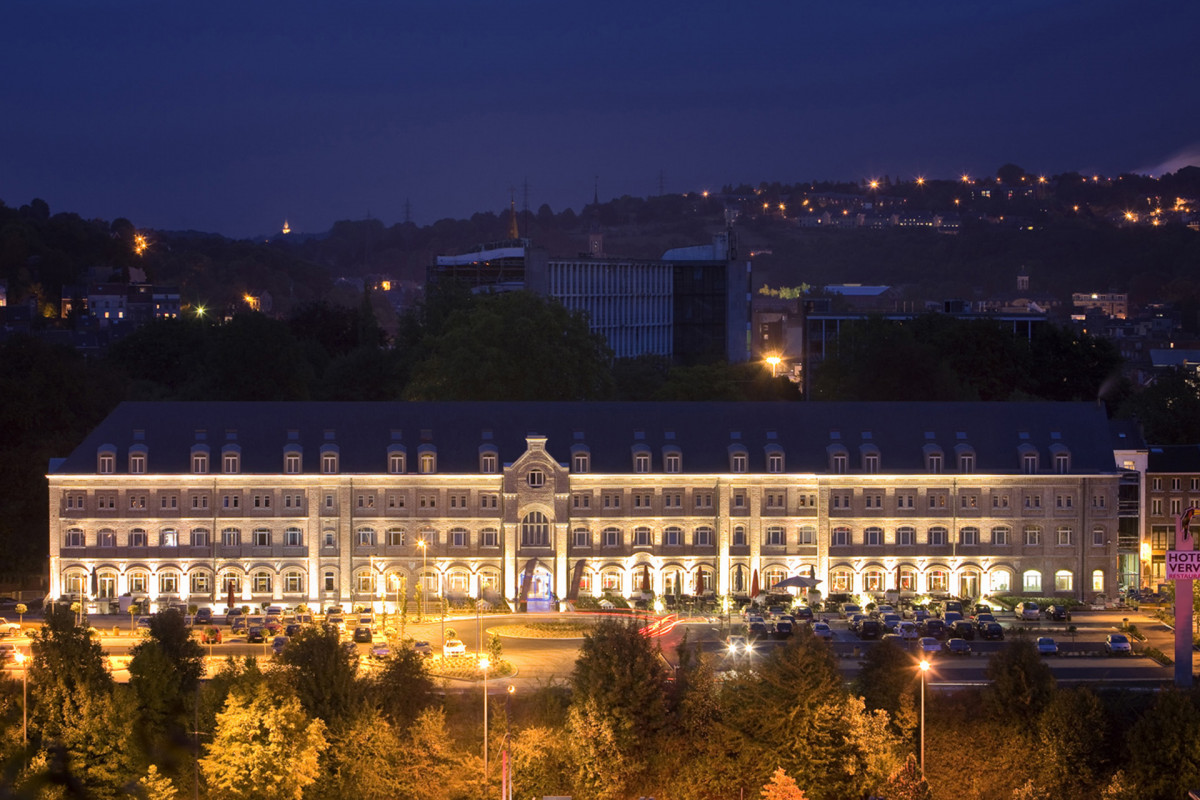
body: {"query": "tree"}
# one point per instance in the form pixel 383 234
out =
pixel 781 787
pixel 1164 747
pixel 908 782
pixel 362 761
pixel 888 681
pixel 514 346
pixel 165 670
pixel 431 767
pixel 1168 409
pixel 322 673
pixel 402 688
pixel 1021 684
pixel 618 708
pixel 1068 731
pixel 67 666
pixel 156 786
pixel 264 748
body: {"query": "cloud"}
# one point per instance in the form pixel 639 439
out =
pixel 1189 156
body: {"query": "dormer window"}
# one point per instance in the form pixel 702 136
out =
pixel 672 460
pixel 427 459
pixel 231 460
pixel 935 459
pixel 739 459
pixel 581 459
pixel 774 459
pixel 641 459
pixel 839 459
pixel 1062 458
pixel 106 462
pixel 1029 459
pixel 329 463
pixel 291 462
pixel 966 458
pixel 870 458
pixel 489 461
pixel 137 462
pixel 396 460
pixel 199 460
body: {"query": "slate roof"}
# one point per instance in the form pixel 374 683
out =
pixel 703 431
pixel 1173 458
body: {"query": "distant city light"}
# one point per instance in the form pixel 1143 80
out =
pixel 140 244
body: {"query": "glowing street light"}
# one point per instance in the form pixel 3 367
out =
pixel 920 180
pixel 924 669
pixel 774 362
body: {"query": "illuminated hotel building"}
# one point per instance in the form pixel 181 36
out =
pixel 346 503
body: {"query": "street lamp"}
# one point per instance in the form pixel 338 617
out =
pixel 506 758
pixel 421 543
pixel 484 664
pixel 924 669
pixel 774 362
pixel 20 658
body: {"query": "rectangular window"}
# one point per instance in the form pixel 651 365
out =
pixel 672 463
pixel 1033 537
pixel 1099 501
pixel 873 536
pixel 999 501
pixel 231 501
pixel 703 499
pixel 329 581
pixel 775 463
pixel 292 537
pixel 703 537
pixel 738 463
pixel 199 538
pixel 1000 536
pixel 612 537
pixel 937 536
pixel 905 501
pixel 1176 507
pixel 1156 507
pixel 969 501
pixel 230 463
pixel 488 463
pixel 1064 537
pixel 1064 501
pixel 579 462
pixel 489 537
pixel 969 536
pixel 199 463
pixel 871 464
pixel 840 461
pixel 396 463
pixel 775 537
pixel 231 537
pixel 107 464
pixel 1029 464
pixel 671 537
pixel 1175 484
pixel 840 537
pixel 329 463
pixel 581 500
pixel 291 463
pixel 137 464
pixel 906 537
pixel 458 537
pixel 739 500
pixel 200 583
pixel 641 462
pixel 937 500
pixel 935 464
pixel 262 538
pixel 582 538
pixel 966 464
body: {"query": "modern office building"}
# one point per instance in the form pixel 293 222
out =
pixel 692 305
pixel 353 503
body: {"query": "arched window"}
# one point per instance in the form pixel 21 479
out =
pixel 610 580
pixel 641 536
pixel 459 581
pixel 839 536
pixel 261 582
pixel 775 536
pixel 737 579
pixel 841 580
pixel 773 575
pixel 168 582
pixel 293 582
pixel 739 536
pixel 1064 581
pixel 106 585
pixel 806 535
pixel 939 580
pixel 1002 535
pixel 489 580
pixel 873 536
pixel 672 536
pixel 1031 581
pixel 704 536
pixel 365 582
pixel 1001 580
pixel 139 582
pixel 873 580
pixel 74 538
pixel 908 579
pixel 1097 580
pixel 535 530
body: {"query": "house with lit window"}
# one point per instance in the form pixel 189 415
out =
pixel 360 504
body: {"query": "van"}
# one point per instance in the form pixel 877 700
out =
pixel 1027 611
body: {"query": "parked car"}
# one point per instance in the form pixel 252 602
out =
pixel 453 647
pixel 803 612
pixel 907 630
pixel 783 629
pixel 8 652
pixel 1057 613
pixel 203 617
pixel 855 621
pixel 953 605
pixel 210 635
pixel 981 608
pixel 890 620
pixel 870 629
pixel 935 628
pixel 238 623
pixel 757 630
pixel 1116 643
pixel 849 610
pixel 274 611
pixel 929 646
pixel 822 631
pixel 958 647
pixel 9 628
pixel 422 648
pixel 1046 646
pixel 1027 611
pixel 962 629
pixel 983 619
pixel 363 635
pixel 992 630
pixel 951 617
pixel 278 643
pixel 256 635
pixel 292 628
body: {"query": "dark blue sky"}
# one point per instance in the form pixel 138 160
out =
pixel 231 116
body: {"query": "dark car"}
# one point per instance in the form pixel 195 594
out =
pixel 757 630
pixel 992 630
pixel 983 619
pixel 1057 613
pixel 256 635
pixel 950 617
pixel 962 629
pixel 981 608
pixel 783 629
pixel 855 621
pixel 292 629
pixel 237 624
pixel 203 616
pixel 935 628
pixel 803 612
pixel 362 634
pixel 953 605
pixel 958 647
pixel 870 629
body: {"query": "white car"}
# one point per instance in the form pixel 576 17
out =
pixel 908 630
pixel 453 647
pixel 9 628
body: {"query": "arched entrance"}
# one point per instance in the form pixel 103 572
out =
pixel 536 584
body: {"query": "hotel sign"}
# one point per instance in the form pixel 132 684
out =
pixel 1183 565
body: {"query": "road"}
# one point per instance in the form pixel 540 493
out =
pixel 540 662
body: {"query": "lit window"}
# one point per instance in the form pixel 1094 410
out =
pixel 428 463
pixel 535 530
pixel 1031 581
pixel 1064 581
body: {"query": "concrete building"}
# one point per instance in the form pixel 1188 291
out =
pixel 352 503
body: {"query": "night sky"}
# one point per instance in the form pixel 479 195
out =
pixel 232 116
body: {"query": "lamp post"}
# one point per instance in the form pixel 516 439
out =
pixel 20 658
pixel 774 362
pixel 421 543
pixel 924 669
pixel 484 664
pixel 506 776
